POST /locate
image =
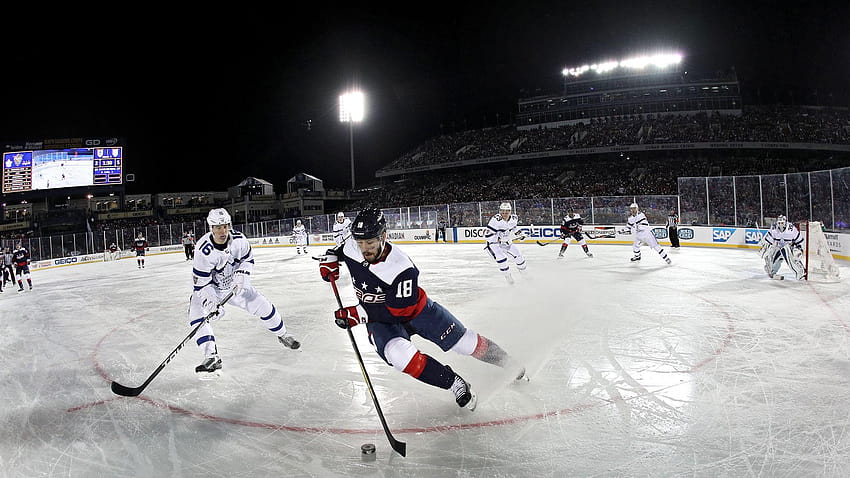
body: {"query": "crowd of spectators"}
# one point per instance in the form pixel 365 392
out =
pixel 573 177
pixel 760 124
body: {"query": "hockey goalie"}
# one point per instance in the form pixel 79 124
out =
pixel 783 242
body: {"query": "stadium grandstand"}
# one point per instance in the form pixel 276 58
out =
pixel 615 131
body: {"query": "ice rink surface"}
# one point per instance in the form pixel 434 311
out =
pixel 703 368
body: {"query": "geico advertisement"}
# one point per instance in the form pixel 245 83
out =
pixel 536 233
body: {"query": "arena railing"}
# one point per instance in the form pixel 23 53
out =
pixel 742 201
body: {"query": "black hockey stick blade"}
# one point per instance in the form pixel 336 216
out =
pixel 125 391
pixel 547 243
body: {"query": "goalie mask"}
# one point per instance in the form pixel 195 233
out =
pixel 505 210
pixel 782 223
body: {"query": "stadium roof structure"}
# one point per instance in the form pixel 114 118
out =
pixel 252 181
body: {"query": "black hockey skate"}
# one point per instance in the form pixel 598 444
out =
pixel 289 342
pixel 636 258
pixel 209 368
pixel 464 396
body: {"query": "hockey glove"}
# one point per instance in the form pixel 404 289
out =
pixel 210 302
pixel 241 281
pixel 348 317
pixel 329 267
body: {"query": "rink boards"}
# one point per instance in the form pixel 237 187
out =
pixel 689 236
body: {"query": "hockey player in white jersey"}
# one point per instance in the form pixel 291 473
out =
pixel 300 233
pixel 224 261
pixel 642 231
pixel 499 236
pixel 342 228
pixel 783 242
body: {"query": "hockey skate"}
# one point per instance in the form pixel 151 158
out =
pixel 636 258
pixel 210 368
pixel 464 396
pixel 589 254
pixel 667 259
pixel 560 256
pixel 289 342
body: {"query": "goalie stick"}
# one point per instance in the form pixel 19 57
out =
pixel 399 446
pixel 125 391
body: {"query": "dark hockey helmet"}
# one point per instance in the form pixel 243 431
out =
pixel 368 224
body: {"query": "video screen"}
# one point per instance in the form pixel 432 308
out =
pixel 61 168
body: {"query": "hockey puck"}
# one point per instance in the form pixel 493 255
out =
pixel 367 452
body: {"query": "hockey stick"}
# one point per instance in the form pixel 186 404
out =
pixel 547 243
pixel 125 391
pixel 399 446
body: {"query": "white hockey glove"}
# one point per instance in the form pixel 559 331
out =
pixel 241 281
pixel 210 302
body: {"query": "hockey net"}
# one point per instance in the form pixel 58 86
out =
pixel 817 258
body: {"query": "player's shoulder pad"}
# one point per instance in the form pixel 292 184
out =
pixel 397 263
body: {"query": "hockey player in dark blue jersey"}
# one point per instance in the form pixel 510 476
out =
pixel 394 307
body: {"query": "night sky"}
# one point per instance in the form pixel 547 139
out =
pixel 205 98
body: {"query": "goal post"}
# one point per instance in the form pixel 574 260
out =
pixel 817 258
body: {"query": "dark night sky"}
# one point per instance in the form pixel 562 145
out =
pixel 204 99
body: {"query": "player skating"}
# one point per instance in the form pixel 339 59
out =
pixel 571 227
pixel 300 233
pixel 783 242
pixel 140 245
pixel 342 228
pixel 224 262
pixel 394 307
pixel 499 236
pixel 21 259
pixel 642 231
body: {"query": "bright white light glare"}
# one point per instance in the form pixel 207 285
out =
pixel 352 107
pixel 638 63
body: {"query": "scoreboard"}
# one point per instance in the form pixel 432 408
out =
pixel 61 168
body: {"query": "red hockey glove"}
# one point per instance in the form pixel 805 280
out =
pixel 349 317
pixel 328 266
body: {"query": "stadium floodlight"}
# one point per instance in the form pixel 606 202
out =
pixel 352 110
pixel 660 61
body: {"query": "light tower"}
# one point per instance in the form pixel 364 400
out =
pixel 351 110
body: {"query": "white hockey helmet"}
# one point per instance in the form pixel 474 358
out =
pixel 505 209
pixel 298 222
pixel 218 217
pixel 634 207
pixel 781 223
